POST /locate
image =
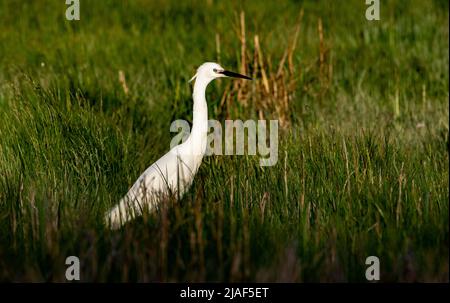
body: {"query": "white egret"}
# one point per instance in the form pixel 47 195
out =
pixel 175 171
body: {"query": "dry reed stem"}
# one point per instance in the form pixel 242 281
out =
pixel 321 46
pixel 261 64
pixel 271 92
pixel 123 82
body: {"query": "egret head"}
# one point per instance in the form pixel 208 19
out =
pixel 211 71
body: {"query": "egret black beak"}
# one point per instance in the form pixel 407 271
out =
pixel 234 75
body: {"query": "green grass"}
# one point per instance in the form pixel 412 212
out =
pixel 362 170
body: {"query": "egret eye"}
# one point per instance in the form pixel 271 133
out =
pixel 215 70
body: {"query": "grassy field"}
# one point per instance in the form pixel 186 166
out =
pixel 363 156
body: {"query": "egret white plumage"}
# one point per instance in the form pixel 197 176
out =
pixel 175 171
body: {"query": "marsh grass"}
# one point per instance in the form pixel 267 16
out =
pixel 362 170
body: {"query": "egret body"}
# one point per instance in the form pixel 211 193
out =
pixel 175 171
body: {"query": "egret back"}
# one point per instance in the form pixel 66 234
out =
pixel 171 174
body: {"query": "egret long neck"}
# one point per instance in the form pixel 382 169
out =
pixel 199 132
